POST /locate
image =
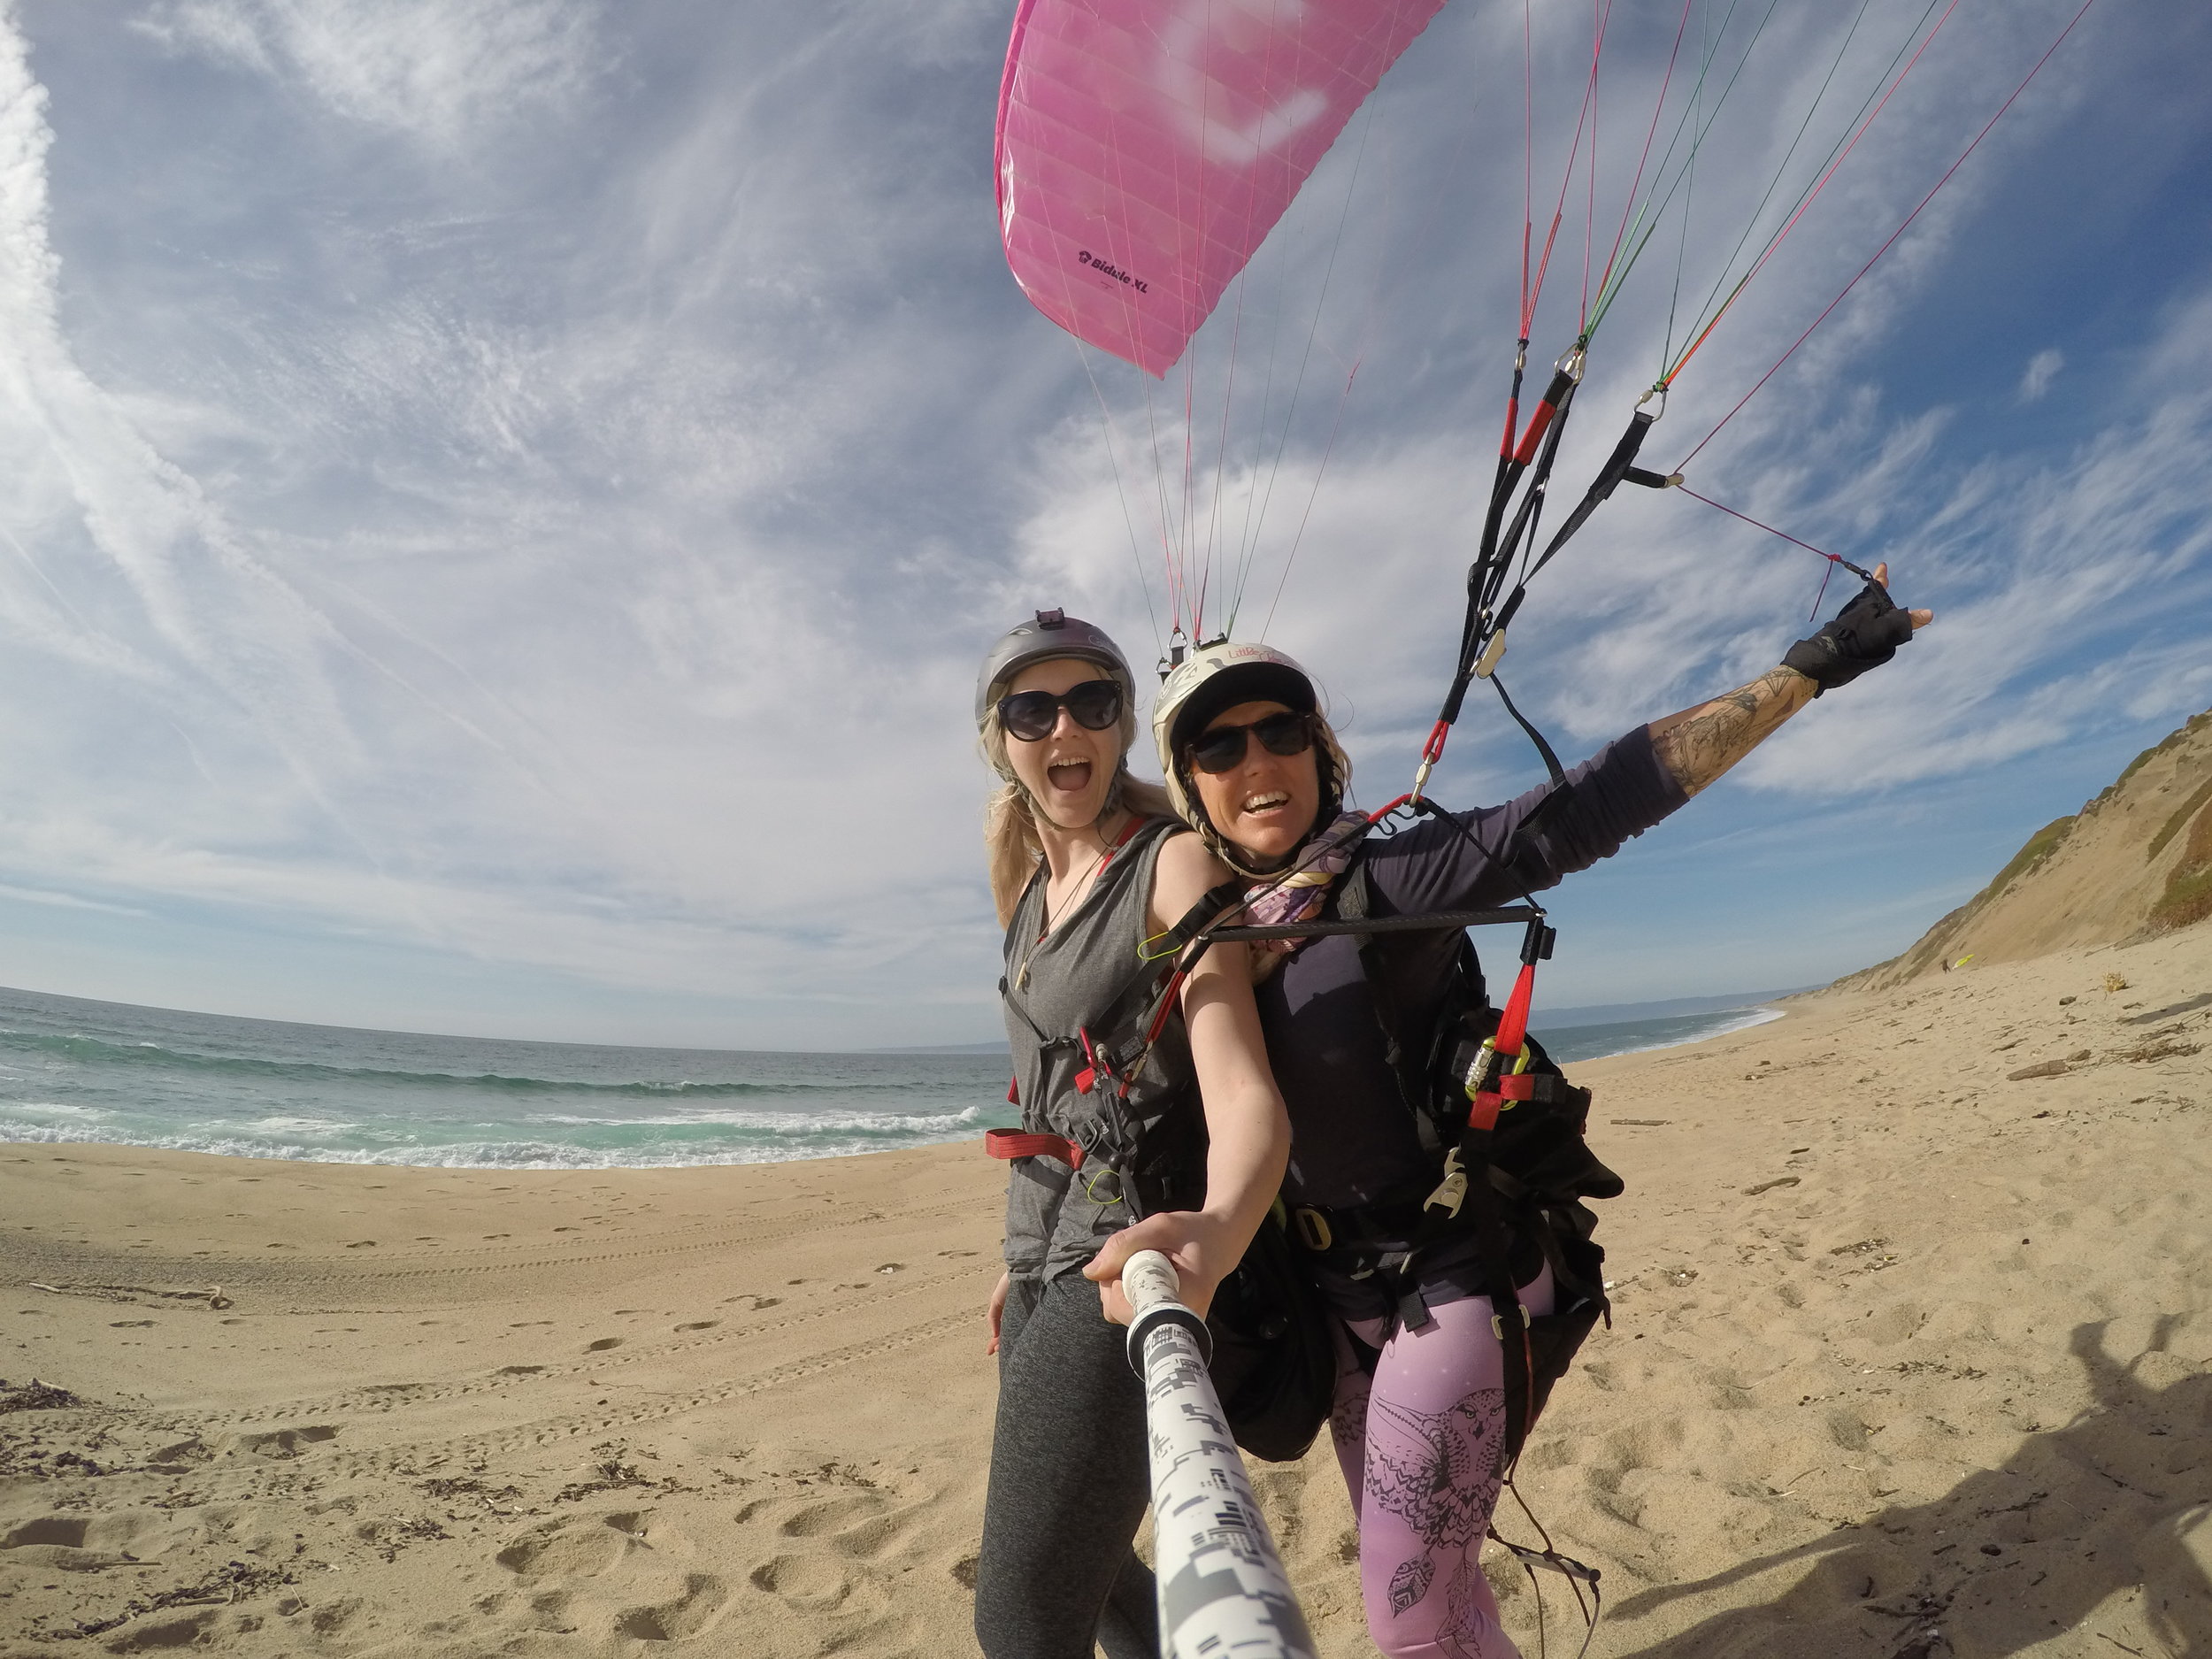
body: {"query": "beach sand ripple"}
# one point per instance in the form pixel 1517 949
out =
pixel 1911 1356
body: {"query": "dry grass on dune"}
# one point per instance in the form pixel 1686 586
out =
pixel 2134 863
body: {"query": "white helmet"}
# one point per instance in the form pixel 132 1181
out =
pixel 1220 676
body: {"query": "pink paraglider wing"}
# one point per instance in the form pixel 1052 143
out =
pixel 1147 147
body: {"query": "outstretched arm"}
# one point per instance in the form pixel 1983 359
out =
pixel 1698 744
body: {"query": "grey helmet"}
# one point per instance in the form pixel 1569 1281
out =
pixel 1053 634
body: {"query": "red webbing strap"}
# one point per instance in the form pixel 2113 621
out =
pixel 1012 1143
pixel 1511 1038
pixel 1513 1023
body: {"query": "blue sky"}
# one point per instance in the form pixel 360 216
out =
pixel 506 496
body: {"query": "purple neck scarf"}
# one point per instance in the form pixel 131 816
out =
pixel 1300 897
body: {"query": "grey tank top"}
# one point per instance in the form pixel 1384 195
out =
pixel 1144 1146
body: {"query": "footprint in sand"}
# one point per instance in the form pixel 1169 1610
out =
pixel 812 1520
pixel 688 1614
pixel 286 1442
pixel 602 1345
pixel 517 1371
pixel 805 1581
pixel 582 1548
pixel 700 1324
pixel 362 1244
pixel 67 1531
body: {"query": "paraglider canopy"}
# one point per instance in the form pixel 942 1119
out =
pixel 1147 147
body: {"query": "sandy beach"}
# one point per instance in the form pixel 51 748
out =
pixel 1911 1356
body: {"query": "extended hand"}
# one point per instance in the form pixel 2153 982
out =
pixel 1196 1242
pixel 1864 635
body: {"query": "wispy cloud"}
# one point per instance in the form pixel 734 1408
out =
pixel 440 69
pixel 2042 369
pixel 529 482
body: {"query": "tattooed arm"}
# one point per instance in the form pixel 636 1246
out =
pixel 1699 744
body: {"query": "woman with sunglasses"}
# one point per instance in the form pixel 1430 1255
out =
pixel 1420 1415
pixel 1087 866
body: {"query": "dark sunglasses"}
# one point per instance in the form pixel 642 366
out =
pixel 1223 748
pixel 1031 714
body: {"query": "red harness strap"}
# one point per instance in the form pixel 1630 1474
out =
pixel 1012 1143
pixel 1512 1034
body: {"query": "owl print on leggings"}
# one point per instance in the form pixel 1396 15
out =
pixel 1439 1472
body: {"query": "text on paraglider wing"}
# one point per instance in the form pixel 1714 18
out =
pixel 1113 271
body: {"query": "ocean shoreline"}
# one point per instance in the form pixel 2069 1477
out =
pixel 79 1074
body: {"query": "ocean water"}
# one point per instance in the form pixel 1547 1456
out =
pixel 72 1070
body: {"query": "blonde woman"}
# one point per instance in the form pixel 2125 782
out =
pixel 1135 1134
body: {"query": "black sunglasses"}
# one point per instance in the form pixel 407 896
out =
pixel 1223 748
pixel 1031 714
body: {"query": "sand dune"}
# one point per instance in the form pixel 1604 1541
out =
pixel 1906 1343
pixel 2135 862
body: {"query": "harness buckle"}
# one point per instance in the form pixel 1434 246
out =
pixel 1492 653
pixel 1451 1192
pixel 1314 1230
pixel 1497 1320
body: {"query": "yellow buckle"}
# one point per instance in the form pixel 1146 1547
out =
pixel 1478 1073
pixel 1313 1228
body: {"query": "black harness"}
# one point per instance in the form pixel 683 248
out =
pixel 1515 1187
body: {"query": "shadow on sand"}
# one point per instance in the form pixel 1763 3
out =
pixel 2011 1556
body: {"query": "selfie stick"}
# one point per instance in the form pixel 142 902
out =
pixel 1223 1591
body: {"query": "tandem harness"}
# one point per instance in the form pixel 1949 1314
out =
pixel 1506 1132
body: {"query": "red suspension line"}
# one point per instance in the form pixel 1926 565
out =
pixel 1893 235
pixel 1528 152
pixel 1566 182
pixel 1657 109
pixel 1819 185
pixel 1590 215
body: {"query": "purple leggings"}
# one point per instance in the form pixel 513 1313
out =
pixel 1419 1451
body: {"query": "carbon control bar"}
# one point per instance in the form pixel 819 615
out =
pixel 1439 921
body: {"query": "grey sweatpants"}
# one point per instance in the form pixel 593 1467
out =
pixel 1069 1480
